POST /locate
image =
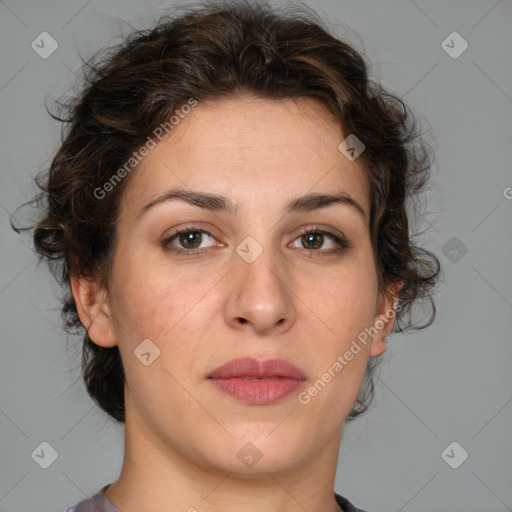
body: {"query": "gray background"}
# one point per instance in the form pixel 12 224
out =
pixel 450 382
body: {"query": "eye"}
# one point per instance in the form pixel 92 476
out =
pixel 314 239
pixel 188 240
pixel 192 241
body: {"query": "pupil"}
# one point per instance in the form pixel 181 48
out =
pixel 310 238
pixel 191 239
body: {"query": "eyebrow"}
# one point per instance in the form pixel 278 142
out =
pixel 218 202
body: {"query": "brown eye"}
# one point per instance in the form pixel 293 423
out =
pixel 188 240
pixel 312 240
pixel 323 242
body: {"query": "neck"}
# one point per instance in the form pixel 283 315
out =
pixel 157 477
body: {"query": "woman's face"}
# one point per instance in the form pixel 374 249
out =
pixel 242 281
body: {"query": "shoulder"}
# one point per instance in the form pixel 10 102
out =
pixel 98 503
pixel 346 505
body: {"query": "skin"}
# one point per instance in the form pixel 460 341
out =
pixel 293 302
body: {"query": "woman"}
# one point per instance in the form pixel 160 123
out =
pixel 227 213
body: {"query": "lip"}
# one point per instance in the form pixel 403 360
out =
pixel 237 378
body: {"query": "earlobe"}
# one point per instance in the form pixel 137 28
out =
pixel 94 311
pixel 379 345
pixel 385 319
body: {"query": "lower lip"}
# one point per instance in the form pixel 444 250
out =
pixel 260 392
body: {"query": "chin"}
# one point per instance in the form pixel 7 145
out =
pixel 254 470
pixel 261 451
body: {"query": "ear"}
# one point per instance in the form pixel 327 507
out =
pixel 94 311
pixel 385 303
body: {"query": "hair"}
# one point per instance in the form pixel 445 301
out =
pixel 220 51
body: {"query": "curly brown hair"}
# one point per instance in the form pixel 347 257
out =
pixel 213 51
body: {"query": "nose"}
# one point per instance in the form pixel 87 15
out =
pixel 260 298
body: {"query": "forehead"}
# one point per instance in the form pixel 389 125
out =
pixel 255 150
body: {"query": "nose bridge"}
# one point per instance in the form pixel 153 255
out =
pixel 260 295
pixel 258 263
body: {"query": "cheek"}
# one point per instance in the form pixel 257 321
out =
pixel 148 298
pixel 345 303
pixel 174 313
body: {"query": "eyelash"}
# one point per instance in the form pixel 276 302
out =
pixel 341 242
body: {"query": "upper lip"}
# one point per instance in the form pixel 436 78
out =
pixel 250 367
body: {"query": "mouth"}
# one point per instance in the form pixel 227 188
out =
pixel 257 382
